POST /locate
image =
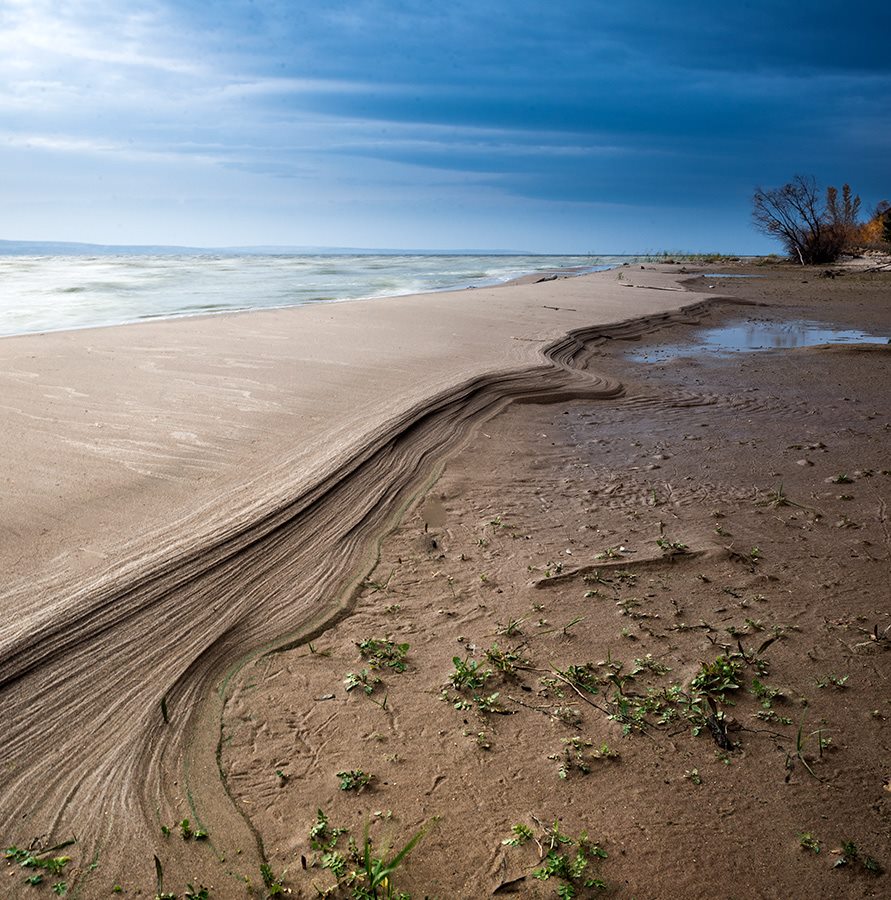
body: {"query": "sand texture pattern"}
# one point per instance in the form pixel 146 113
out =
pixel 181 497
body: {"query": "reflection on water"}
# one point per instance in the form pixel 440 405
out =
pixel 747 337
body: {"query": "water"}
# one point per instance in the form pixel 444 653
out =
pixel 728 275
pixel 52 293
pixel 748 337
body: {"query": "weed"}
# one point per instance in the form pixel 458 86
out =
pixel 354 780
pixel 648 664
pixel 765 694
pixel 374 878
pixel 584 677
pixel 41 861
pixel 612 553
pixel 801 742
pixel 482 741
pixel 715 679
pixel 364 679
pixel 200 893
pixel 573 756
pixel 770 715
pixel 384 653
pixel 489 703
pixel 189 833
pixel 808 842
pixel 850 854
pixel 571 868
pixel 842 479
pixel 506 661
pixel 467 674
pixel 321 835
pixel 511 628
pixel 671 548
pixel 274 886
pixel 522 833
pixel 839 683
pixel 367 873
pixel 693 775
pixel 604 751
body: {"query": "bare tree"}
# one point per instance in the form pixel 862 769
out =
pixel 812 232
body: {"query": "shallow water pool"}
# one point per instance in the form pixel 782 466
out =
pixel 749 337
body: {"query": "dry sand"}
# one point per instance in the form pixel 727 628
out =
pixel 192 501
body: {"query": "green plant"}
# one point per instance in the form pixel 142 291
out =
pixel 671 548
pixel 363 679
pixel 611 553
pixel 808 842
pixel 800 753
pixel 322 836
pixel 384 653
pixel 765 694
pixel 512 628
pixel 467 674
pixel 187 832
pixel 850 854
pixel 567 859
pixel 522 833
pixel 837 682
pixel 506 661
pixel 374 878
pixel 354 780
pixel 41 864
pixel 274 886
pixel 716 678
pixel 584 677
pixel 200 893
pixel 573 756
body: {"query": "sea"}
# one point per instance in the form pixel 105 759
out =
pixel 55 292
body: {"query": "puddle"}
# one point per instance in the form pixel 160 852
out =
pixel 749 337
pixel 728 275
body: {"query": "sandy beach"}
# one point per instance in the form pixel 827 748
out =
pixel 675 573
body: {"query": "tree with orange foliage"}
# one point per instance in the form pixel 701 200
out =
pixel 878 229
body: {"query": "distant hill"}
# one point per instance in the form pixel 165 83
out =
pixel 68 248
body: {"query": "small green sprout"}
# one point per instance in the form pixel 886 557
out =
pixel 354 780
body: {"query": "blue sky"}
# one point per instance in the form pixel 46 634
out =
pixel 561 126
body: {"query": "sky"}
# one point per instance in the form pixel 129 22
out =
pixel 568 126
